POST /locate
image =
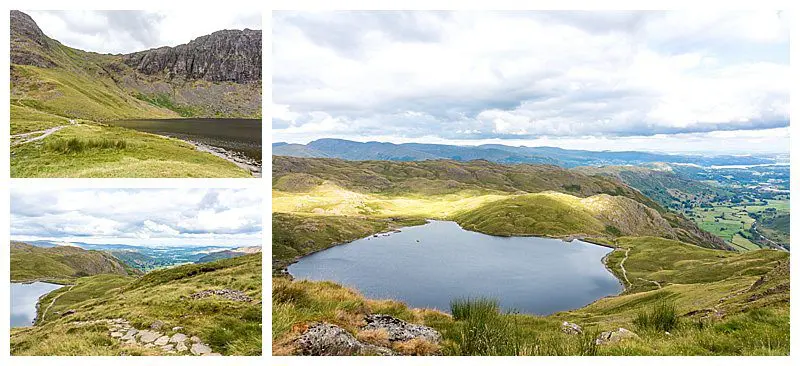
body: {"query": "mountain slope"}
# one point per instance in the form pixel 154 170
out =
pixel 352 150
pixel 232 253
pixel 219 302
pixel 444 189
pixel 29 263
pixel 218 75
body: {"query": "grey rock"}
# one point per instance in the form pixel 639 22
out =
pixel 181 347
pixel 167 347
pixel 116 334
pixel 161 341
pixel 147 336
pixel 194 339
pixel 615 336
pixel 149 345
pixel 200 349
pixel 233 295
pixel 226 55
pixel 177 338
pixel 157 325
pixel 571 328
pixel 325 339
pixel 175 329
pixel 400 330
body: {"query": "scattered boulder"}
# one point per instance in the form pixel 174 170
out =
pixel 167 347
pixel 147 336
pixel 116 335
pixel 161 341
pixel 194 339
pixel 157 325
pixel 178 338
pixel 199 349
pixel 181 347
pixel 175 329
pixel 325 339
pixel 615 336
pixel 68 312
pixel 399 330
pixel 571 328
pixel 233 295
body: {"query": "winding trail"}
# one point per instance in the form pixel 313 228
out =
pixel 41 134
pixel 651 281
pixel 621 266
pixel 44 313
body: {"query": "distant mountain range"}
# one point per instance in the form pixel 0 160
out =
pixel 352 150
pixel 146 258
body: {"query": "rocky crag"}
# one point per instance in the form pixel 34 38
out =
pixel 217 75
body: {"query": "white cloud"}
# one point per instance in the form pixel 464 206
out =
pixel 130 31
pixel 143 216
pixel 507 75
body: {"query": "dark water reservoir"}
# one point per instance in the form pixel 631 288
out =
pixel 428 265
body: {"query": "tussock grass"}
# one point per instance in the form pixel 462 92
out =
pixel 483 330
pixel 75 145
pixel 663 317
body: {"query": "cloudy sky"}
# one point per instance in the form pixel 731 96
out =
pixel 664 81
pixel 229 217
pixel 120 31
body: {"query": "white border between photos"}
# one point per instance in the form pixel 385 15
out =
pixel 266 8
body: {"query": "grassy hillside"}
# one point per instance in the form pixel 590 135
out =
pixel 54 85
pixel 294 236
pixel 30 263
pixel 710 302
pixel 476 194
pixel 229 327
pixel 558 214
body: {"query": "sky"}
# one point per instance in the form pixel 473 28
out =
pixel 126 31
pixel 145 217
pixel 715 82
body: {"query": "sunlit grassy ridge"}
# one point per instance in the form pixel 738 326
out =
pixel 740 310
pixel 84 151
pixel 61 264
pixel 229 327
pixel 475 193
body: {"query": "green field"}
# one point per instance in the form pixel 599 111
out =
pixel 733 222
pixel 61 264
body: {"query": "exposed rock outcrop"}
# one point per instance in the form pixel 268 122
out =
pixel 233 295
pixel 226 55
pixel 399 330
pixel 571 328
pixel 615 336
pixel 29 44
pixel 175 343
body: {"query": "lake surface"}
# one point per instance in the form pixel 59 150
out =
pixel 429 265
pixel 24 297
pixel 239 135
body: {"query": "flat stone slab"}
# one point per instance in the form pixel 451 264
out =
pixel 161 341
pixel 200 349
pixel 178 338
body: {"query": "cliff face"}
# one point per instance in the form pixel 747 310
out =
pixel 29 45
pixel 215 76
pixel 227 55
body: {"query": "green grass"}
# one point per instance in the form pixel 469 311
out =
pixel 749 292
pixel 24 119
pixel 84 151
pixel 231 328
pixel 30 263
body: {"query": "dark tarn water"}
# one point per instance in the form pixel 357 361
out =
pixel 427 266
pixel 239 135
pixel 24 297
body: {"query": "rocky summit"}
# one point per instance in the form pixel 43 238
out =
pixel 226 55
